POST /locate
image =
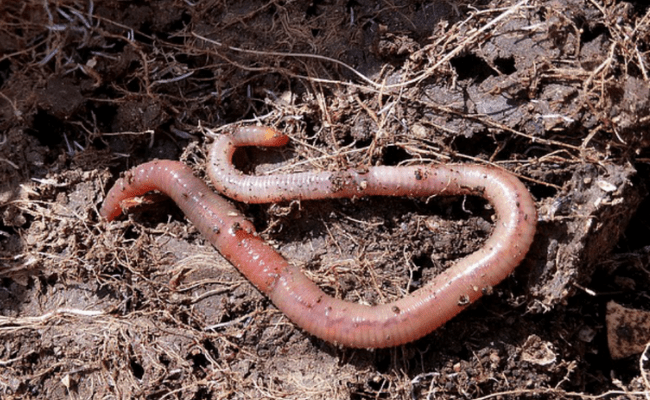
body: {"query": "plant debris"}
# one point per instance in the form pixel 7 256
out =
pixel 557 92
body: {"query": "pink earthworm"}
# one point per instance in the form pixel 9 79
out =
pixel 302 301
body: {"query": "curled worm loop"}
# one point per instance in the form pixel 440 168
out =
pixel 332 319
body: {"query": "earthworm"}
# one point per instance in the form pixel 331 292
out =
pixel 304 303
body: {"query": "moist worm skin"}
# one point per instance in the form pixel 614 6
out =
pixel 335 320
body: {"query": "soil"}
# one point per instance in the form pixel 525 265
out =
pixel 557 92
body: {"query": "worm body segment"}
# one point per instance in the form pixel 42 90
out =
pixel 332 319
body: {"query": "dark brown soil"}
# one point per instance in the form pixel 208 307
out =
pixel 557 92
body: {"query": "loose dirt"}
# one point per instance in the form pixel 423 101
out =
pixel 556 92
